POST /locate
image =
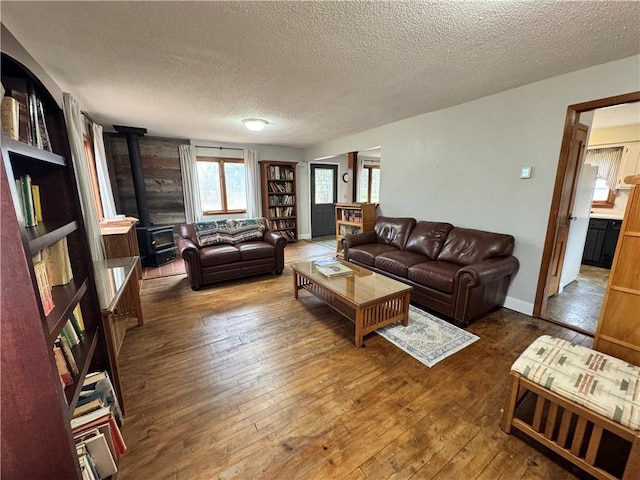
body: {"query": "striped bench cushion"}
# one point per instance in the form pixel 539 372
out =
pixel 230 231
pixel 600 382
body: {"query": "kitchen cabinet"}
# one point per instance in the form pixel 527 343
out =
pixel 630 164
pixel 602 238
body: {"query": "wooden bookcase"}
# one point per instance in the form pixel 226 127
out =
pixel 279 201
pixel 37 440
pixel 618 332
pixel 353 218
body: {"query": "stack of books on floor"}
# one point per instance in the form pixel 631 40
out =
pixel 96 428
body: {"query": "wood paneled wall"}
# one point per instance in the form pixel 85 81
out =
pixel 162 177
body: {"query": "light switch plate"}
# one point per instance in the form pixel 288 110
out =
pixel 526 172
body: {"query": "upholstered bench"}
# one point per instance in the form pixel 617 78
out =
pixel 584 401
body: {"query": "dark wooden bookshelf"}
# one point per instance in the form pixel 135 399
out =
pixel 65 299
pixel 46 234
pixel 278 182
pixel 37 440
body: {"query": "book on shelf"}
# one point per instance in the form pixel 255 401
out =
pixel 76 326
pixel 58 263
pixel 61 364
pixel 103 429
pixel 101 455
pixel 63 343
pixel 37 206
pixel 32 103
pixel 99 419
pixel 25 191
pixel 87 466
pixel 10 109
pixel 44 287
pixel 98 384
pixel 77 312
pixel 334 270
pixel 42 127
pixel 70 333
pixel 16 88
pixel 88 407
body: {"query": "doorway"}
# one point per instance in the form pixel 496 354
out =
pixel 324 196
pixel 586 293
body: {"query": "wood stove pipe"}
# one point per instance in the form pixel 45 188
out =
pixel 132 134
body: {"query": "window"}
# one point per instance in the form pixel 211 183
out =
pixel 324 185
pixel 222 185
pixel 608 161
pixel 369 187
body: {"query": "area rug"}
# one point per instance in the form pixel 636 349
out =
pixel 427 338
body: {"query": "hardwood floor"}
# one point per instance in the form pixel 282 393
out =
pixel 240 380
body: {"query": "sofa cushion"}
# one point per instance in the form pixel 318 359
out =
pixel 428 238
pixel 398 261
pixel 230 231
pixel 366 254
pixel 255 250
pixel 393 231
pixel 219 255
pixel 435 274
pixel 465 246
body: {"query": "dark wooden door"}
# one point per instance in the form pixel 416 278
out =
pixel 324 195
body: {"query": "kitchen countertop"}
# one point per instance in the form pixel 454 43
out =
pixel 609 216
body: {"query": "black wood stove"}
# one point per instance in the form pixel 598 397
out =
pixel 156 243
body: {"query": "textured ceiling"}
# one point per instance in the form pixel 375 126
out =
pixel 315 70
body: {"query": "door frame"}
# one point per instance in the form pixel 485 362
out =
pixel 312 165
pixel 570 126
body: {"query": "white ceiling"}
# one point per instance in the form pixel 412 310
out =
pixel 618 116
pixel 315 70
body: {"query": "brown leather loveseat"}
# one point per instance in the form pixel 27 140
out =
pixel 459 272
pixel 226 249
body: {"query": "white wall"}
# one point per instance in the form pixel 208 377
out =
pixel 462 164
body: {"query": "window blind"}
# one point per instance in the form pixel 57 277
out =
pixel 608 161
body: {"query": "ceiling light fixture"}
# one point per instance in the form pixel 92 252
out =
pixel 255 124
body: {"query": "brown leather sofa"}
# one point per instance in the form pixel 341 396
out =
pixel 228 259
pixel 459 272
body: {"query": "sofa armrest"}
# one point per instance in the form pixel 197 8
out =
pixel 187 247
pixel 190 252
pixel 489 270
pixel 279 243
pixel 275 239
pixel 359 239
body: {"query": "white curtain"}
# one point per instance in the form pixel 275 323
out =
pixel 608 161
pixel 252 180
pixel 106 194
pixel 190 185
pixel 75 121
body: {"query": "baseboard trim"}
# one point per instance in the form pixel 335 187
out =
pixel 519 306
pixel 304 236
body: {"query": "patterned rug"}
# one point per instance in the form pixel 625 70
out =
pixel 427 338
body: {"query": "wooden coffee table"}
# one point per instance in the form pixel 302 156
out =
pixel 368 299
